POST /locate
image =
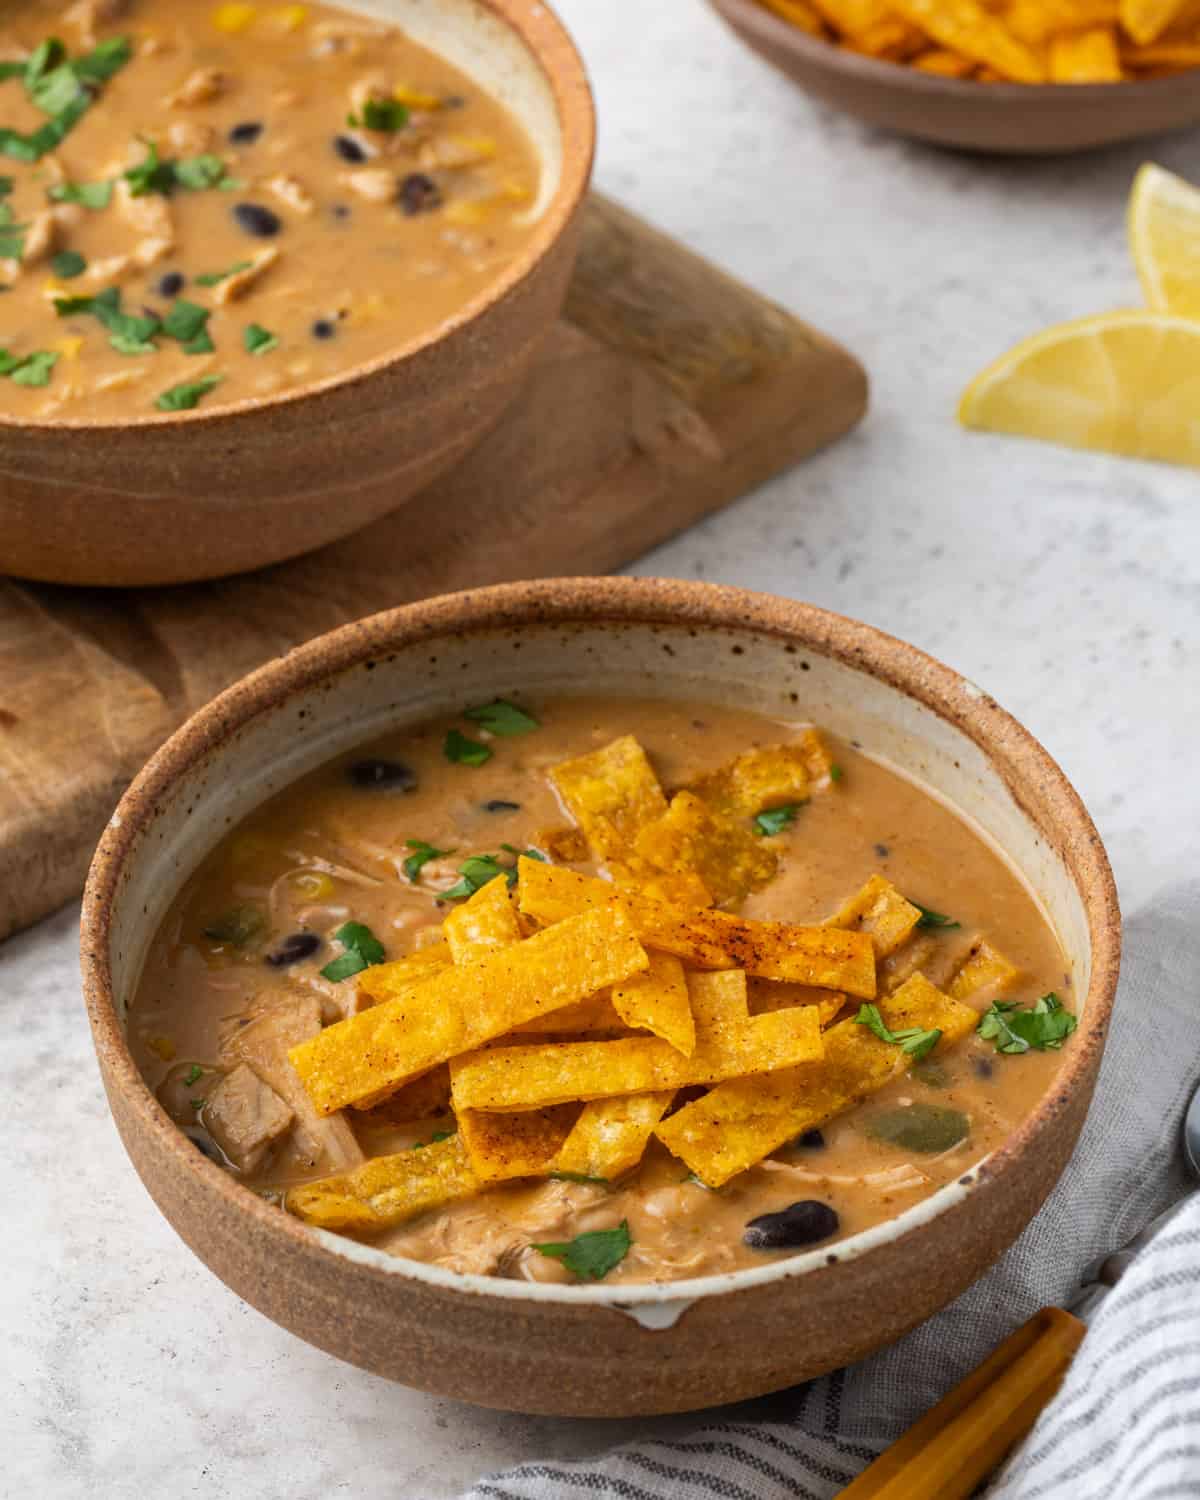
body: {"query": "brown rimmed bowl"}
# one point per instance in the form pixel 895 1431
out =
pixel 1004 118
pixel 202 494
pixel 590 1350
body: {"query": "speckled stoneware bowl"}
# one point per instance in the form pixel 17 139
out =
pixel 595 1350
pixel 1008 118
pixel 202 494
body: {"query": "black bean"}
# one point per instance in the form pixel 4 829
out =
pixel 983 1067
pixel 499 805
pixel 257 220
pixel 246 133
pixel 340 211
pixel 801 1223
pixel 882 850
pixel 296 946
pixel 390 775
pixel 349 149
pixel 323 329
pixel 171 284
pixel 811 1140
pixel 418 194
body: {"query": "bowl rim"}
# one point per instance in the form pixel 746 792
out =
pixel 1032 777
pixel 877 70
pixel 550 45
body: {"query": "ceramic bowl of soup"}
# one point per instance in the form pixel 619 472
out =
pixel 546 995
pixel 268 269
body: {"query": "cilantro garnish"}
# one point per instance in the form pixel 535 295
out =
pixel 186 321
pixel 914 1041
pixel 593 1255
pixel 6 186
pixel 184 397
pixel 62 88
pixel 836 773
pixel 930 918
pixel 577 1177
pixel 422 854
pixel 438 1135
pixel 528 854
pixel 94 195
pixel 380 114
pixel 477 872
pixel 259 340
pixel 464 752
pixel 502 717
pixel 68 264
pixel 12 234
pixel 28 369
pixel 128 333
pixel 215 278
pixel 773 820
pixel 194 1072
pixel 156 174
pixel 362 947
pixel 1045 1026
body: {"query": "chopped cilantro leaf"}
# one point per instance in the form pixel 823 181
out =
pixel 129 334
pixel 194 1072
pixel 196 173
pixel 259 340
pixel 11 70
pixel 68 264
pixel 577 1177
pixel 773 820
pixel 502 717
pixel 380 114
pixel 421 856
pixel 362 947
pixel 438 1135
pixel 930 918
pixel 215 278
pixel 593 1255
pixel 836 773
pixel 6 186
pixel 477 872
pixel 62 89
pixel 1044 1027
pixel 464 752
pixel 184 397
pixel 105 60
pixel 154 174
pixel 28 369
pixel 94 195
pixel 201 344
pixel 913 1041
pixel 185 321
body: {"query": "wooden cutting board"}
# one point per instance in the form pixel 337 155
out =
pixel 666 390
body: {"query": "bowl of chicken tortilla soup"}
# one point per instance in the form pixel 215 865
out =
pixel 599 996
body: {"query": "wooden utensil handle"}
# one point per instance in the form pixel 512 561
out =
pixel 946 1454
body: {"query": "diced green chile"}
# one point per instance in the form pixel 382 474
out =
pixel 920 1127
pixel 238 926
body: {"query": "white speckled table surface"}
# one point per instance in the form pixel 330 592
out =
pixel 1068 584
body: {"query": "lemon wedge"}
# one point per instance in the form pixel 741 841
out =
pixel 1122 382
pixel 1164 235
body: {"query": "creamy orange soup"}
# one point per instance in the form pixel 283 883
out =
pixel 205 202
pixel 858 1021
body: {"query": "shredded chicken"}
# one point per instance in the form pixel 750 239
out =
pixel 200 87
pixel 190 137
pixel 292 192
pixel 67 215
pixel 150 217
pixel 376 184
pixel 90 15
pixel 41 238
pixel 245 1116
pixel 240 282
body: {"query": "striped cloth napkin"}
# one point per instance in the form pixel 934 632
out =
pixel 1126 1423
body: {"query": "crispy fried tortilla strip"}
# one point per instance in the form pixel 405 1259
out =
pixel 388 1189
pixel 719 1001
pixel 517 1145
pixel 757 780
pixel 374 985
pixel 943 64
pixel 363 1059
pixel 965 27
pixel 1036 21
pixel 658 1001
pixel 880 910
pixel 766 995
pixel 520 1078
pixel 1086 57
pixel 1146 20
pixel 486 920
pixel 824 956
pixel 852 17
pixel 612 793
pixel 610 1135
pixel 691 839
pixel 799 13
pixel 422 1099
pixel 594 1014
pixel 1171 56
pixel 565 846
pixel 737 1124
pixel 984 968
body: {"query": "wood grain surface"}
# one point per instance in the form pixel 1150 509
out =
pixel 666 390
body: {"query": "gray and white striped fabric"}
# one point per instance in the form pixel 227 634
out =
pixel 1126 1424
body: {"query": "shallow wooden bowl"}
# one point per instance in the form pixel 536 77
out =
pixel 993 117
pixel 595 1350
pixel 202 494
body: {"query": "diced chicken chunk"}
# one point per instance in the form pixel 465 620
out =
pixel 376 184
pixel 190 137
pixel 103 272
pixel 41 238
pixel 150 216
pixel 291 191
pixel 90 15
pixel 200 87
pixel 240 282
pixel 245 1116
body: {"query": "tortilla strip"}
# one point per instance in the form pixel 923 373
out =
pixel 595 1014
pixel 368 1056
pixel 517 1078
pixel 774 776
pixel 612 793
pixel 692 839
pixel 610 1135
pixel 964 26
pixel 388 1189
pixel 825 956
pixel 516 1145
pixel 983 968
pixel 658 1001
pixel 1146 20
pixel 487 919
pixel 415 968
pixel 1086 57
pixel 737 1124
pixel 766 995
pixel 880 910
